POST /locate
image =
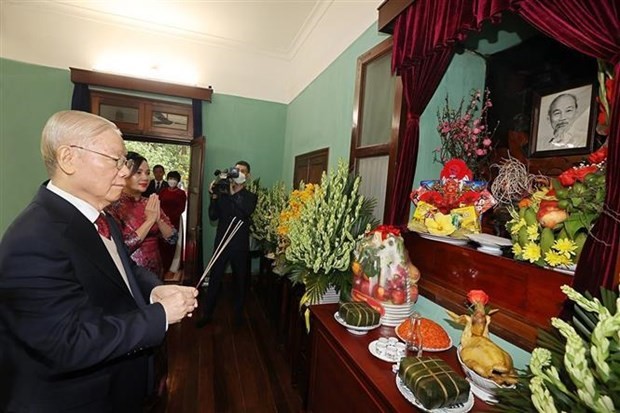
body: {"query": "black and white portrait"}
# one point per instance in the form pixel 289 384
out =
pixel 563 120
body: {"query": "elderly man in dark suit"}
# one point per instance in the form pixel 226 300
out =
pixel 77 316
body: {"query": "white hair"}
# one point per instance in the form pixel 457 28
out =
pixel 71 127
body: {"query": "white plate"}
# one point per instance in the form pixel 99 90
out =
pixel 462 408
pixel 430 350
pixel 358 331
pixel 490 241
pixel 372 347
pixel 406 311
pixel 485 386
pixel 481 394
pixel 439 238
pixel 390 323
pixel 570 270
pixel 490 250
pixel 398 306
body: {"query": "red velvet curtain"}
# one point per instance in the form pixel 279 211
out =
pixel 424 36
pixel 591 27
pixel 420 82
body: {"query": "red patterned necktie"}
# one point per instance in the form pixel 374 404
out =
pixel 102 226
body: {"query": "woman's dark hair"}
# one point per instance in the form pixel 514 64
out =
pixel 137 161
pixel 174 174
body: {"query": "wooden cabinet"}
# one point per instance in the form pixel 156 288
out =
pixel 139 116
pixel 526 295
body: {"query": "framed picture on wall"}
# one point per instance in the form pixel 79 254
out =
pixel 563 121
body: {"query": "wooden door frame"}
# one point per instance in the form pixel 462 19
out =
pixel 398 122
pixel 191 275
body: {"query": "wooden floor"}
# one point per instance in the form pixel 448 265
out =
pixel 222 368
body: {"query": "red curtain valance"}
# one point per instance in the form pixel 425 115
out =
pixel 427 30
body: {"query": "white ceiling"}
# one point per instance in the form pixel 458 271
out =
pixel 263 49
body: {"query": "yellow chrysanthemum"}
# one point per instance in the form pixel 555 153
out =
pixel 517 250
pixel 296 202
pixel 553 258
pixel 565 247
pixel 532 232
pixel 531 252
pixel 565 261
pixel 440 224
pixel 514 229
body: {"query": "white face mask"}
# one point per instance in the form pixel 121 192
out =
pixel 240 179
pixel 173 183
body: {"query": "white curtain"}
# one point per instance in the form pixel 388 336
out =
pixel 374 180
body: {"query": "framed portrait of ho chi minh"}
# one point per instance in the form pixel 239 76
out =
pixel 563 121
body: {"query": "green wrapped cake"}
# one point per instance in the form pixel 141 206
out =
pixel 433 382
pixel 359 314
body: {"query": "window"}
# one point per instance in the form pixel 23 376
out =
pixel 136 115
pixel 376 124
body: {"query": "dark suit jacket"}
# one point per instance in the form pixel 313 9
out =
pixel 224 208
pixel 151 188
pixel 72 337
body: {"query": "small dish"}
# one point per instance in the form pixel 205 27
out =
pixel 372 347
pixel 459 408
pixel 440 238
pixel 429 349
pixel 357 330
pixel 490 240
pixel 490 250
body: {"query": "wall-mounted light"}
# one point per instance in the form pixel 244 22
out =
pixel 173 72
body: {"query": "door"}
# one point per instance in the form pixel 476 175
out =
pixel 193 246
pixel 309 167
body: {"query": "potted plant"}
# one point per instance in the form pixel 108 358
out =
pixel 266 217
pixel 322 237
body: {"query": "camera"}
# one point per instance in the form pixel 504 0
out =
pixel 224 178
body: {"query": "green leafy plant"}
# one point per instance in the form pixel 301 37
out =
pixel 266 216
pixel 551 226
pixel 324 235
pixel 576 368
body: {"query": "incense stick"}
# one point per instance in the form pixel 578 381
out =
pixel 228 235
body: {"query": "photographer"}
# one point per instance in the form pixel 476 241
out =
pixel 229 199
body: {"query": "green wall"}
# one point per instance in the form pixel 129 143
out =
pixel 241 129
pixel 466 72
pixel 234 128
pixel 322 114
pixel 28 96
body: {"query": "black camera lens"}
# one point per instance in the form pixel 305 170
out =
pixel 233 173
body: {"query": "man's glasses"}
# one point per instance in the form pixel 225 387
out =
pixel 120 162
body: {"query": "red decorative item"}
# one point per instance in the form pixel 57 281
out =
pixel 598 156
pixel 572 175
pixel 477 297
pixel 386 230
pixel 456 169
